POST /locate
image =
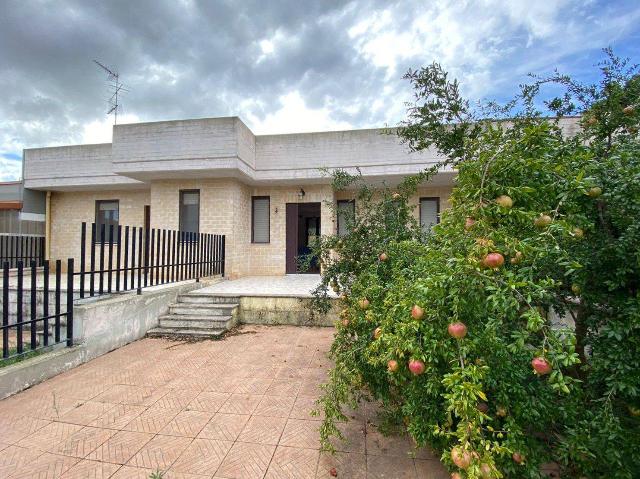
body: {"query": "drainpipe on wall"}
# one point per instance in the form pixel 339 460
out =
pixel 47 227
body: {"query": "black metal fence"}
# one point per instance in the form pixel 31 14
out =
pixel 39 329
pixel 123 258
pixel 25 248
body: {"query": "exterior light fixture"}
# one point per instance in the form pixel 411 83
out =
pixel 301 194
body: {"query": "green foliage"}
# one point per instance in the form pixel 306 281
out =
pixel 567 292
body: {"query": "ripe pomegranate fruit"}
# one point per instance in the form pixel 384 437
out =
pixel 468 223
pixel 457 330
pixel 416 367
pixel 505 201
pixel 377 333
pixel 629 110
pixel 578 232
pixel 456 475
pixel 541 365
pixel 345 322
pixel 542 221
pixel 517 458
pixel 493 260
pixel 383 257
pixel 396 196
pixel 501 411
pixel 486 471
pixel 417 312
pixel 363 303
pixel 594 191
pixel 392 365
pixel 483 407
pixel 333 472
pixel 517 258
pixel 576 289
pixel 460 457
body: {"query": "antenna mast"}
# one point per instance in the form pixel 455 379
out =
pixel 115 88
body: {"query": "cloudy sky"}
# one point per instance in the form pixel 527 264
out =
pixel 282 66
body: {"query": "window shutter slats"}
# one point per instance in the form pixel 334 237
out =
pixel 260 220
pixel 428 213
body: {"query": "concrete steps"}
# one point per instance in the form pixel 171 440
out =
pixel 198 315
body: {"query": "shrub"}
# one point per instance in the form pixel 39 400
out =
pixel 545 284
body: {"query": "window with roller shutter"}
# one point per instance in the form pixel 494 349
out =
pixel 260 219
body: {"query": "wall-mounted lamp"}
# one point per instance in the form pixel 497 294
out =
pixel 301 194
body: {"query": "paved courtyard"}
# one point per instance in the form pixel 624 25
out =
pixel 235 408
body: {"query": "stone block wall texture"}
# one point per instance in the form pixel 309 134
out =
pixel 70 208
pixel 225 208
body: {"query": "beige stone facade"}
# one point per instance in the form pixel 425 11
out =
pixel 225 208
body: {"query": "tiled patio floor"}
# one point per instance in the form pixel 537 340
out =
pixel 236 408
pixel 298 285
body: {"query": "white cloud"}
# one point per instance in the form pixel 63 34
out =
pixel 293 116
pixel 10 170
pixel 101 131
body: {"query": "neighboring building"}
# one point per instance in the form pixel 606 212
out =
pixel 266 193
pixel 22 211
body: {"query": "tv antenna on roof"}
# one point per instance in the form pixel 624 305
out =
pixel 116 88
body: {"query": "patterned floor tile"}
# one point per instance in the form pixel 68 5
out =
pixel 128 472
pixel 381 445
pixel 86 413
pixel 152 420
pixel 118 416
pixel 293 463
pixel 132 395
pixel 301 433
pixel 246 461
pixel 46 466
pixel 263 430
pixel 240 404
pixel 50 435
pixel 284 387
pixel 255 385
pixel 14 458
pixel 187 424
pixel 202 456
pixel 431 469
pixel 81 443
pixel 160 452
pixel 347 465
pixel 224 426
pixel 277 406
pixel 91 470
pixel 391 467
pixel 15 427
pixel 121 447
pixel 208 401
pixel 302 409
pixel 176 399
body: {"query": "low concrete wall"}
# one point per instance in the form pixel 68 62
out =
pixel 99 327
pixel 283 310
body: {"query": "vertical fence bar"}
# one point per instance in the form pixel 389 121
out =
pixel 216 249
pixel 164 250
pixel 172 235
pixel 33 304
pixel 19 309
pixel 192 256
pixel 151 256
pixel 140 260
pixel 56 334
pixel 5 309
pixel 83 239
pixel 126 258
pixel 109 274
pixel 157 263
pixel 118 254
pixel 222 254
pixel 101 240
pixel 146 256
pixel 43 244
pixel 92 260
pixel 133 256
pixel 45 301
pixel 200 255
pixel 70 300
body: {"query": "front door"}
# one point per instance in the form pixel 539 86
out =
pixel 303 228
